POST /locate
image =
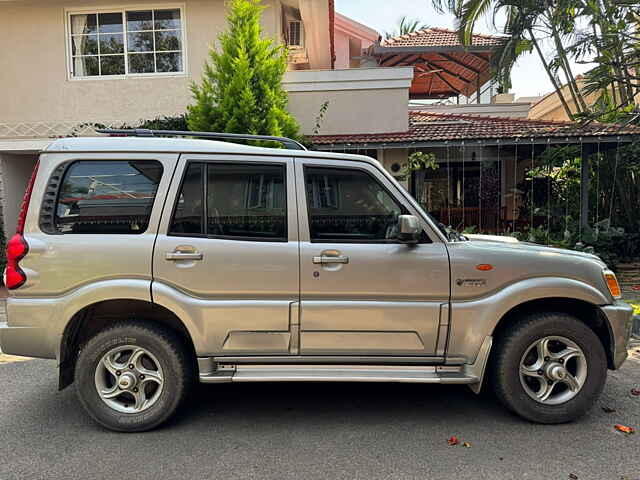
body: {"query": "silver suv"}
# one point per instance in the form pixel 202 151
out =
pixel 144 264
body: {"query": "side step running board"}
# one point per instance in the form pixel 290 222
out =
pixel 469 374
pixel 338 373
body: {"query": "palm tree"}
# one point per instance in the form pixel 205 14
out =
pixel 406 25
pixel 528 24
pixel 610 39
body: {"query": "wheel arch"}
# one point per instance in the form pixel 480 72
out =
pixel 96 316
pixel 587 312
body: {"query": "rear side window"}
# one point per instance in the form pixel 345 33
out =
pixel 106 197
pixel 243 202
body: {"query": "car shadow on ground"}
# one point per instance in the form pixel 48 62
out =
pixel 337 403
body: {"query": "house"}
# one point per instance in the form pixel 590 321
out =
pixel 71 64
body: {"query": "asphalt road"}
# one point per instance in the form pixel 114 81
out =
pixel 314 431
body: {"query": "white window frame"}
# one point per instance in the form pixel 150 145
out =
pixel 123 9
pixel 289 22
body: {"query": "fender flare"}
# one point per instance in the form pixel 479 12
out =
pixel 474 320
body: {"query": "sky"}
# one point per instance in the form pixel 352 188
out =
pixel 528 77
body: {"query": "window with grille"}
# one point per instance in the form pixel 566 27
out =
pixel 136 42
pixel 295 33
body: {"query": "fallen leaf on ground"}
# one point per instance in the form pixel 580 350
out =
pixel 573 476
pixel 466 445
pixel 624 428
pixel 608 410
pixel 635 392
pixel 453 441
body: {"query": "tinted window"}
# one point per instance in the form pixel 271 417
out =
pixel 107 196
pixel 349 205
pixel 246 201
pixel 189 211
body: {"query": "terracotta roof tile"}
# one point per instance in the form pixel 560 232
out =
pixel 439 37
pixel 440 127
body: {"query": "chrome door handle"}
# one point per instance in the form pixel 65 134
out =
pixel 175 256
pixel 324 259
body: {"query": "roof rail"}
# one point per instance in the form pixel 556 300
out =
pixel 144 132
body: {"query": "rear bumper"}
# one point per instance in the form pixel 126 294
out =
pixel 620 318
pixel 25 341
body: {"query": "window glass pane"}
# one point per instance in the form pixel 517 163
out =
pixel 141 63
pixel 139 20
pixel 84 23
pixel 111 43
pixel 107 197
pixel 349 205
pixel 169 62
pixel 84 45
pixel 168 40
pixel 188 214
pixel 112 65
pixel 110 22
pixel 247 201
pixel 167 19
pixel 85 66
pixel 140 42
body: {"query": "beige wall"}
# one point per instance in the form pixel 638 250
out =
pixel 34 84
pixel 363 100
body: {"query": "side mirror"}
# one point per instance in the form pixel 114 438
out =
pixel 408 229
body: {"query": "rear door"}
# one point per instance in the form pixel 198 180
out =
pixel 226 256
pixel 362 291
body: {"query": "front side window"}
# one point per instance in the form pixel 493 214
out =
pixel 126 42
pixel 349 205
pixel 243 202
pixel 107 197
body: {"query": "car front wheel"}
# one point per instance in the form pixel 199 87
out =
pixel 548 368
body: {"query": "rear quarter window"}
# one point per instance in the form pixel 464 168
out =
pixel 103 197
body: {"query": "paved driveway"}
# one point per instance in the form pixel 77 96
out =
pixel 317 431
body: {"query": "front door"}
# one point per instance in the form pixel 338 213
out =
pixel 226 257
pixel 362 291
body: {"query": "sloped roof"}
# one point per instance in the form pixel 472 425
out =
pixel 440 37
pixel 425 127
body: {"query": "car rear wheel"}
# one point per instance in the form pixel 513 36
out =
pixel 548 368
pixel 132 376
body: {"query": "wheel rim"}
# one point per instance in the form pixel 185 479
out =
pixel 553 370
pixel 129 379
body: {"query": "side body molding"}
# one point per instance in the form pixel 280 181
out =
pixel 474 320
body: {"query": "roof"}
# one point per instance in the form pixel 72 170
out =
pixel 431 127
pixel 181 145
pixel 351 26
pixel 440 37
pixel 444 67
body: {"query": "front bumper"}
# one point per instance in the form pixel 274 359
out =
pixel 620 319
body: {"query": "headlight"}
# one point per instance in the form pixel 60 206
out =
pixel 612 283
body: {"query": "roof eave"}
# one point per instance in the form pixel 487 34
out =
pixel 382 50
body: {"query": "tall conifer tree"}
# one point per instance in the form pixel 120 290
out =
pixel 241 87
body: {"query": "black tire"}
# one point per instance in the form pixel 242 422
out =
pixel 504 371
pixel 170 352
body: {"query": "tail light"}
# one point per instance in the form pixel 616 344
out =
pixel 17 247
